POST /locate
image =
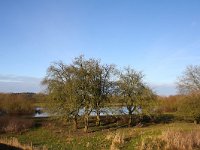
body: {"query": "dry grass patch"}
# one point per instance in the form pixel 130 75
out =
pixel 120 137
pixel 176 140
pixel 117 140
pixel 15 143
pixel 14 124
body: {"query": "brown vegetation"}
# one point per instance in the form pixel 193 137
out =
pixel 177 140
pixel 117 140
pixel 13 124
pixel 16 103
pixel 15 143
pixel 170 103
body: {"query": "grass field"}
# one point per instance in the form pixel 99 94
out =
pixel 141 137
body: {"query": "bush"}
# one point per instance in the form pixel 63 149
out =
pixel 190 108
pixel 169 104
pixel 16 104
pixel 13 124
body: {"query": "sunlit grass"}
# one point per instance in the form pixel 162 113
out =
pixel 122 138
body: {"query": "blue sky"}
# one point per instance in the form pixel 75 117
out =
pixel 157 37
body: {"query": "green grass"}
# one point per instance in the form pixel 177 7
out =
pixel 40 137
pixel 53 139
pixel 154 131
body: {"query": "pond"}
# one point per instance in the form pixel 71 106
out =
pixel 40 111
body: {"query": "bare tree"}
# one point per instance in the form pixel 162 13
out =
pixel 83 85
pixel 189 82
pixel 62 92
pixel 102 87
pixel 93 85
pixel 134 94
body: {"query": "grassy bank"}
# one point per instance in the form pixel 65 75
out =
pixel 122 138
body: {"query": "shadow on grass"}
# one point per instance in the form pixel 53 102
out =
pixel 8 147
pixel 121 121
pixel 164 118
pixel 108 123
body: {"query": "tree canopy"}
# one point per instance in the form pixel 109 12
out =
pixel 134 94
pixel 86 85
pixel 189 82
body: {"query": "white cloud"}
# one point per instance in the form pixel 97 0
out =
pixel 12 83
pixel 164 89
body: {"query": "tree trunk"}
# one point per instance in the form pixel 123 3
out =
pixel 75 123
pixel 98 118
pixel 86 121
pixel 196 121
pixel 130 121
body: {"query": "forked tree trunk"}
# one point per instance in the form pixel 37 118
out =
pixel 86 121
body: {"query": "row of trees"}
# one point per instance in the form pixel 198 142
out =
pixel 87 85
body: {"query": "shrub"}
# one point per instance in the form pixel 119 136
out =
pixel 13 124
pixel 190 107
pixel 16 104
pixel 169 104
